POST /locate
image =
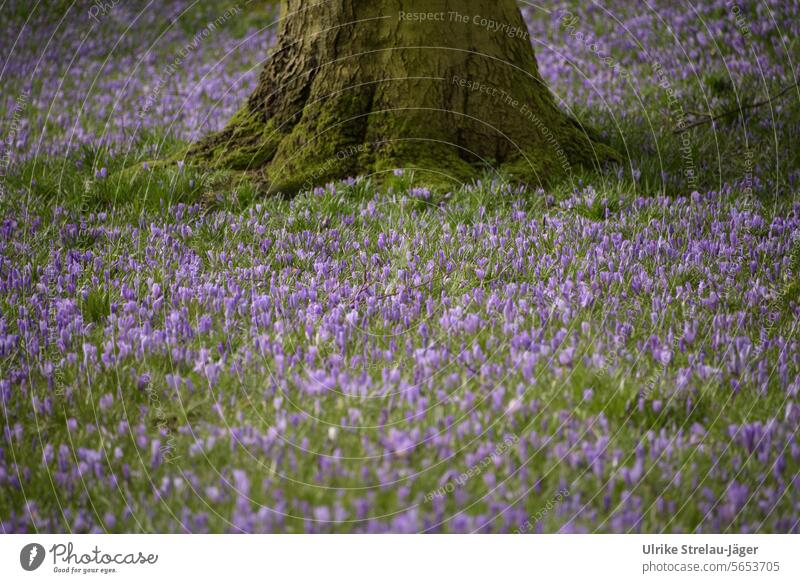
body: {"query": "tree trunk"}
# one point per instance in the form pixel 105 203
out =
pixel 353 87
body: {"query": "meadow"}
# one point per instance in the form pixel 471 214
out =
pixel 616 352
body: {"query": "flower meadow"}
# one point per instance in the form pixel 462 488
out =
pixel 619 353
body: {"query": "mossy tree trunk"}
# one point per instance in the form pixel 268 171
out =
pixel 367 86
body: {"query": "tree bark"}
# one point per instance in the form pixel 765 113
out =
pixel 446 88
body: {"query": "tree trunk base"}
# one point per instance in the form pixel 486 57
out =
pixel 356 88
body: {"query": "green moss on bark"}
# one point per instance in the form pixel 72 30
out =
pixel 246 143
pixel 346 93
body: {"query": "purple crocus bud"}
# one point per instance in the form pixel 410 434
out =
pixel 241 482
pixel 106 401
pixel 566 356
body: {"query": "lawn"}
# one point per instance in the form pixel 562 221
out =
pixel 616 352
